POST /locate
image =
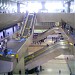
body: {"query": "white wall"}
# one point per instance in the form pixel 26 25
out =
pixel 56 17
pixel 6 66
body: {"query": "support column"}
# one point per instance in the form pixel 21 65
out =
pixel 4 33
pixel 13 29
pixel 20 67
pixel 43 5
pixel 18 7
pixel 68 8
pixel 19 26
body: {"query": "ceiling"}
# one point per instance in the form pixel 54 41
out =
pixel 22 1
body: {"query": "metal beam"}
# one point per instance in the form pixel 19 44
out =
pixel 69 1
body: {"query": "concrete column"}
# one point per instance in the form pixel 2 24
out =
pixel 18 7
pixel 20 67
pixel 13 29
pixel 19 25
pixel 68 8
pixel 4 33
pixel 43 5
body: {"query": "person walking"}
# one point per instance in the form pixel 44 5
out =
pixel 6 42
pixel 2 44
pixel 19 72
pixel 16 57
pixel 59 72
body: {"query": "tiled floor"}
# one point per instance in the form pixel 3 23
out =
pixel 53 66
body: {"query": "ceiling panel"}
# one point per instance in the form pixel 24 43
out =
pixel 36 0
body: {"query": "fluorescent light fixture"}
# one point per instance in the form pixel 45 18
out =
pixel 49 70
pixel 56 28
pixel 71 43
pixel 12 55
pixel 49 41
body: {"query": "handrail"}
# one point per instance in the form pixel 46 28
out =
pixel 69 69
pixel 39 37
pixel 41 51
pixel 72 42
pixel 24 25
pixel 33 21
pixel 21 51
pixel 31 24
pixel 44 32
pixel 5 58
pixel 47 30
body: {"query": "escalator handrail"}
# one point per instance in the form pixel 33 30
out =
pixel 45 33
pixel 31 22
pixel 29 19
pixel 41 51
pixel 4 58
pixel 24 25
pixel 69 69
pixel 46 30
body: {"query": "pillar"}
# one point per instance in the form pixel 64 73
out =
pixel 4 33
pixel 68 8
pixel 13 29
pixel 43 5
pixel 18 7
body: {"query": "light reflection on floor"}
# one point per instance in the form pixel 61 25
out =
pixel 52 67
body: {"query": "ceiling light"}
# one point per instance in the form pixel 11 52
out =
pixel 12 55
pixel 71 43
pixel 49 70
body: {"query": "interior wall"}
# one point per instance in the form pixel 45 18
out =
pixel 6 66
pixel 56 17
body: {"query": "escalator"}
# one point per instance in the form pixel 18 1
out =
pixel 28 24
pixel 19 47
pixel 22 27
pixel 29 21
pixel 57 30
pixel 46 33
pixel 22 50
pixel 46 54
